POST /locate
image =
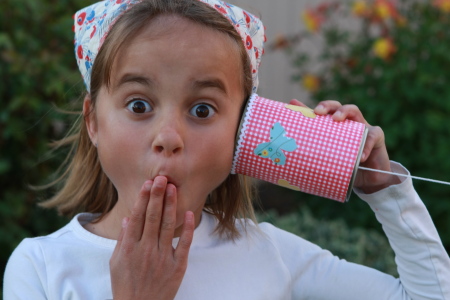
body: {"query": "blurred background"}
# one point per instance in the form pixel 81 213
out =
pixel 391 58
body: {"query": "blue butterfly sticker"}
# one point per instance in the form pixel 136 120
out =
pixel 278 141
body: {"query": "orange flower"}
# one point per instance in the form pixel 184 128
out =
pixel 443 5
pixel 351 62
pixel 311 83
pixel 401 21
pixel 385 9
pixel 281 42
pixel 360 8
pixel 312 20
pixel 384 48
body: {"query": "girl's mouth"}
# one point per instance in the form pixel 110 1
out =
pixel 170 180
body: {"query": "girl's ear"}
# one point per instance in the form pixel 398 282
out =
pixel 89 118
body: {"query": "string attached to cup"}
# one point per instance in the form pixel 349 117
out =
pixel 404 175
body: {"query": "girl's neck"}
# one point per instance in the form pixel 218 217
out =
pixel 108 227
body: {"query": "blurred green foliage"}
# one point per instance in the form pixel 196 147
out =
pixel 38 72
pixel 391 59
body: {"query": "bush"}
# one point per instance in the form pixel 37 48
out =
pixel 392 61
pixel 38 71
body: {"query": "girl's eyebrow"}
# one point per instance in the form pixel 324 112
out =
pixel 134 78
pixel 196 85
pixel 209 83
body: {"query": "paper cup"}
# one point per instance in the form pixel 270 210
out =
pixel 292 147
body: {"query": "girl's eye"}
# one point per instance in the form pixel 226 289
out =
pixel 139 106
pixel 202 111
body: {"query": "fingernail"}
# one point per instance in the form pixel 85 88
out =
pixel 125 222
pixel 170 190
pixel 320 108
pixel 160 181
pixel 338 114
pixel 189 216
pixel 148 186
pixel 363 157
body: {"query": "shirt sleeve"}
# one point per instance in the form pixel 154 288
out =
pixel 25 276
pixel 423 264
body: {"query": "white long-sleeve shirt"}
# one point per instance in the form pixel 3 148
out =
pixel 73 263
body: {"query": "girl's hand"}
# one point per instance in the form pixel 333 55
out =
pixel 144 264
pixel 374 154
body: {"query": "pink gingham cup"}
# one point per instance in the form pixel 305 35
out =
pixel 292 147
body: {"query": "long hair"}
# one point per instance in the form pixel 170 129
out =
pixel 85 187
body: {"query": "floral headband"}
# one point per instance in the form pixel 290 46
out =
pixel 92 25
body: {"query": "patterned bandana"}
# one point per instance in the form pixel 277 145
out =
pixel 92 25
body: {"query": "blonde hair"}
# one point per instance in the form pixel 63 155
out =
pixel 85 185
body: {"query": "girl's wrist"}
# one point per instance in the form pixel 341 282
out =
pixel 390 180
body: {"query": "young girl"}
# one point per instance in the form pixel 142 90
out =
pixel 163 218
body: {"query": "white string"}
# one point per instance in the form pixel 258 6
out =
pixel 404 175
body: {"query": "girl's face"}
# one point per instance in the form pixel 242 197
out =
pixel 172 109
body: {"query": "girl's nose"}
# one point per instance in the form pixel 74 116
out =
pixel 168 141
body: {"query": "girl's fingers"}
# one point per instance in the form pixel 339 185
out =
pixel 350 112
pixel 169 216
pixel 340 112
pixel 138 215
pixel 187 234
pixel 154 210
pixel 327 107
pixel 298 103
pixel 375 138
pixel 374 153
pixel 121 235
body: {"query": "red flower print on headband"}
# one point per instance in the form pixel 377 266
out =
pixel 93 31
pixel 247 19
pixel 220 8
pixel 81 18
pixel 80 52
pixel 249 42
